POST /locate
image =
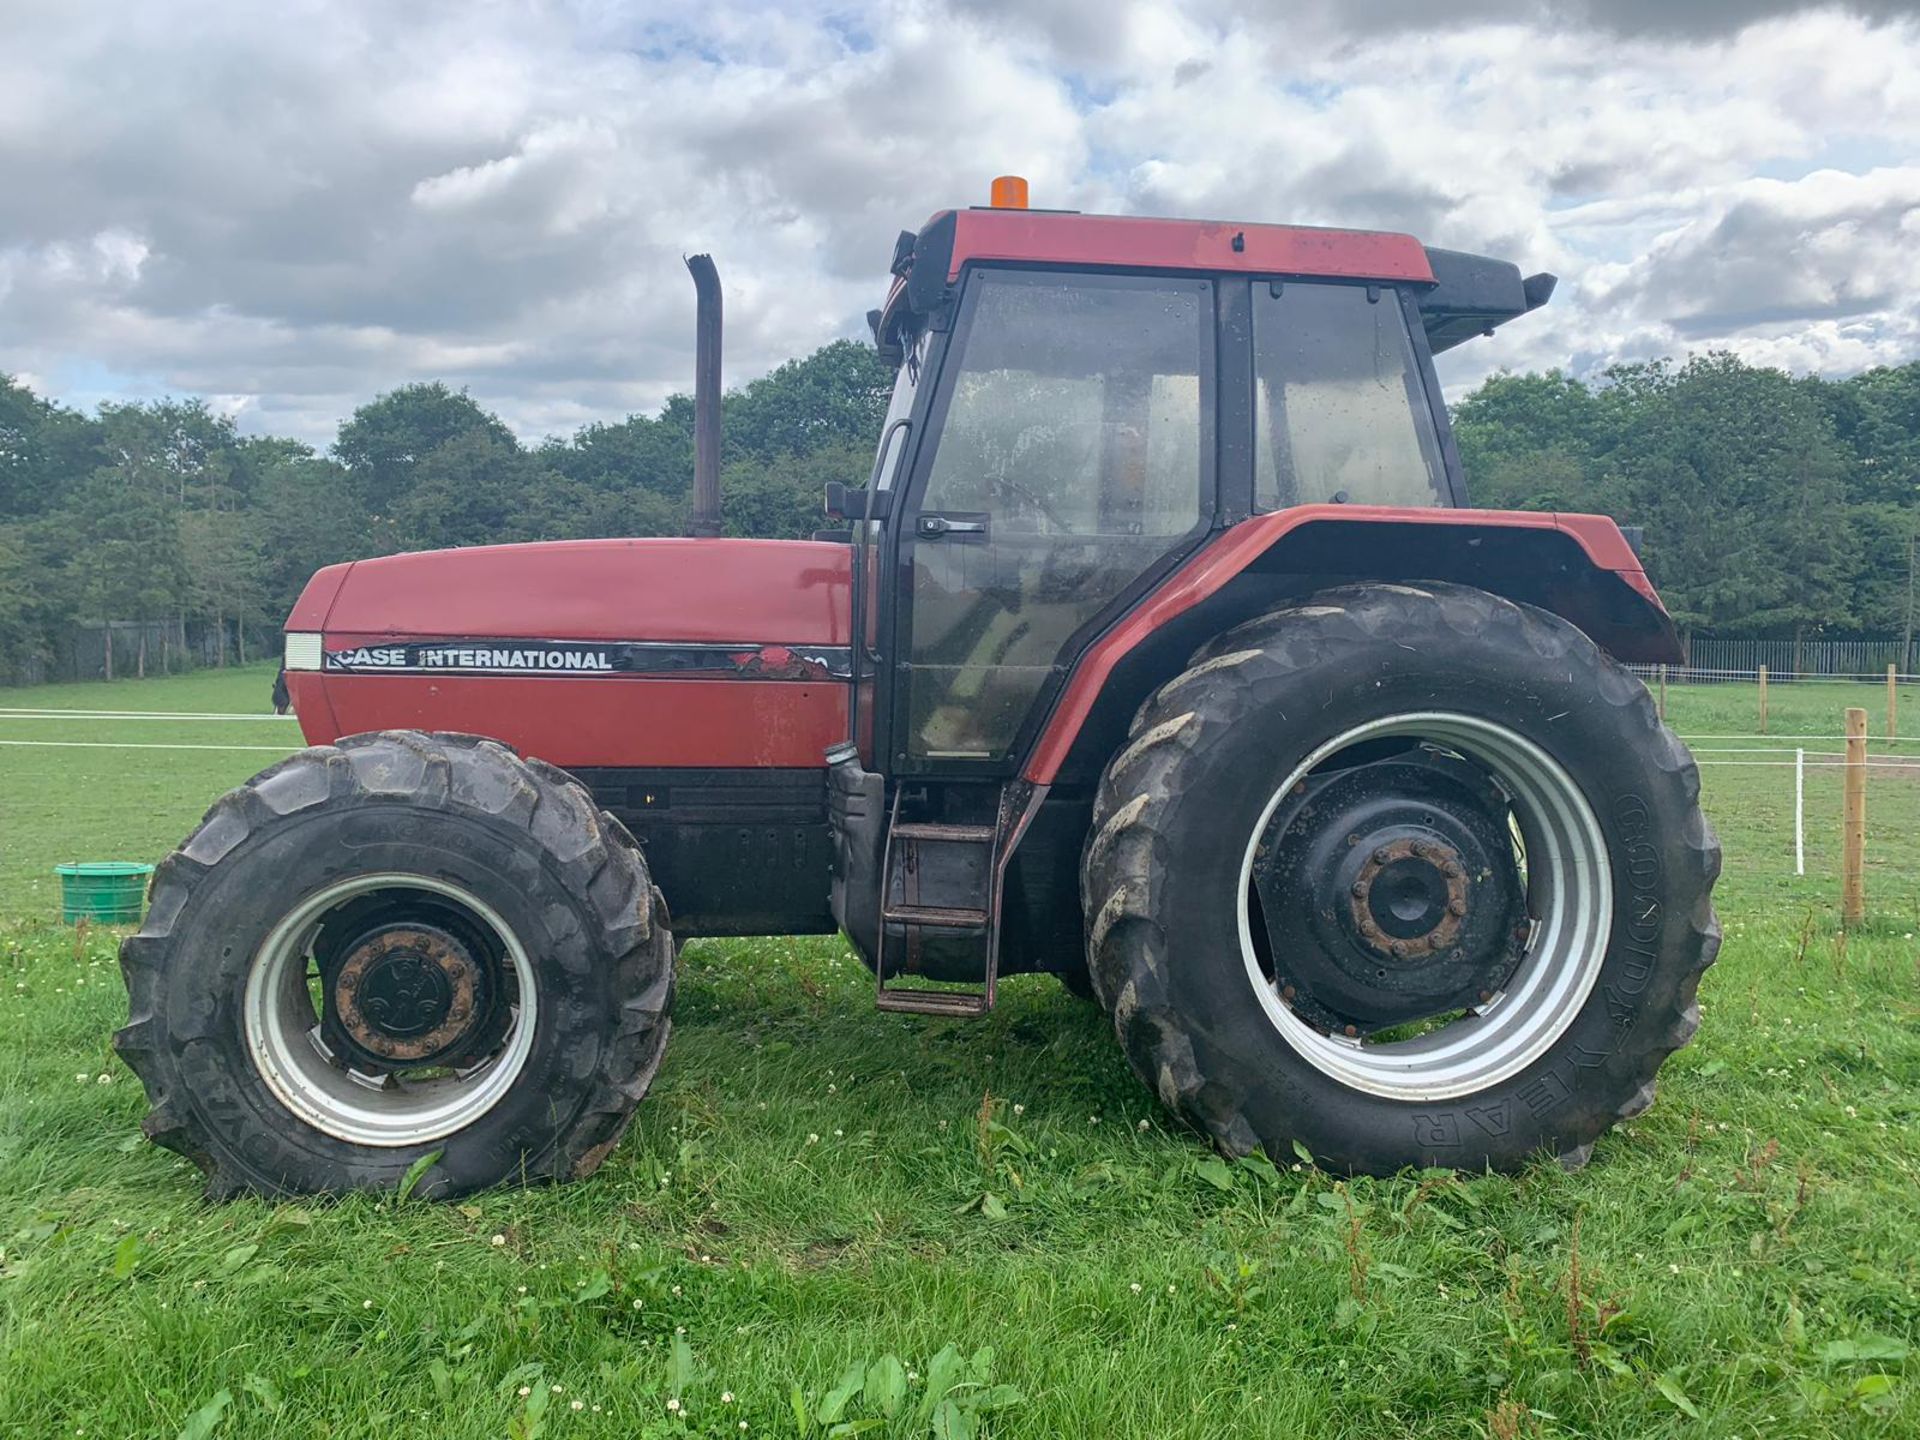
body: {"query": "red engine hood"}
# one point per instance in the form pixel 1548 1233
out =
pixel 656 652
pixel 718 591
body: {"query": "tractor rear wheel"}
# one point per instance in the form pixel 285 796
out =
pixel 1406 876
pixel 402 946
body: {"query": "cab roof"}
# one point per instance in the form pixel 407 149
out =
pixel 1459 295
pixel 1067 238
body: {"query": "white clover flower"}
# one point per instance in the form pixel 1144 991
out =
pixel 525 1390
pixel 498 1240
pixel 676 1289
pixel 366 1304
pixel 578 1405
pixel 674 1404
pixel 1135 1287
pixel 559 1389
pixel 1144 1126
pixel 813 1139
pixel 1019 1109
pixel 726 1397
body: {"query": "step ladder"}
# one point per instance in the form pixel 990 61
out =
pixel 908 845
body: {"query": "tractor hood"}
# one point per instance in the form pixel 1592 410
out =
pixel 707 652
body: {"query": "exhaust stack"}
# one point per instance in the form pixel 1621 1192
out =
pixel 706 398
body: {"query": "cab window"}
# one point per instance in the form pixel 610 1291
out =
pixel 1340 411
pixel 1072 455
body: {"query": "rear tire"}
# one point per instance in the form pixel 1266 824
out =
pixel 398 945
pixel 1584 998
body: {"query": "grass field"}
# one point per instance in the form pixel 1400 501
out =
pixel 805 1194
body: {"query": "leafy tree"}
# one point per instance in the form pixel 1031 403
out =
pixel 653 453
pixel 385 440
pixel 836 396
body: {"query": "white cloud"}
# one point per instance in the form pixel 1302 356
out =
pixel 294 208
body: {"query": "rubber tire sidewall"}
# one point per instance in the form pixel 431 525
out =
pixel 1247 1085
pixel 263 879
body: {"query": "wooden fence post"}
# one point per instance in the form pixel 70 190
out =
pixel 1853 824
pixel 1763 699
pixel 1893 704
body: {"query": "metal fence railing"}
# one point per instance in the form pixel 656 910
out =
pixel 1709 658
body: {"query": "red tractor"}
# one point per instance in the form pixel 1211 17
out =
pixel 1160 653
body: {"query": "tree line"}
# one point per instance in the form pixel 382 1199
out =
pixel 152 536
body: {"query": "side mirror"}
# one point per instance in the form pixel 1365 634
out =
pixel 842 503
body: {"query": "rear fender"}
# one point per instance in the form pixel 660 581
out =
pixel 1579 567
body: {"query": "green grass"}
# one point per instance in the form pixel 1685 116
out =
pixel 804 1191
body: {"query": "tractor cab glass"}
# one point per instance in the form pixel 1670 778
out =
pixel 1341 413
pixel 1072 435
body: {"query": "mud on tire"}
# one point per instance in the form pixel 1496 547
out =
pixel 1181 806
pixel 591 972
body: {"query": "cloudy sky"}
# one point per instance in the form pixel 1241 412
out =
pixel 289 207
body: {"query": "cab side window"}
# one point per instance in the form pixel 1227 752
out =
pixel 1340 410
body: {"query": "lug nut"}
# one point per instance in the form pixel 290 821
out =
pixel 1358 890
pixel 1286 992
pixel 1454 872
pixel 1352 1031
pixel 1382 855
pixel 1485 996
pixel 1456 907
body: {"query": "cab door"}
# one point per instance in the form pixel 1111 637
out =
pixel 1069 455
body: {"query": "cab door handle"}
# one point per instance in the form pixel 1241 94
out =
pixel 933 527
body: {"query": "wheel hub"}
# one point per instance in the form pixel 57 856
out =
pixel 1409 898
pixel 409 994
pixel 1390 893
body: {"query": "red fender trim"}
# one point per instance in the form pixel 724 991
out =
pixel 1238 547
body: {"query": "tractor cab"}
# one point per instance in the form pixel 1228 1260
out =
pixel 1081 403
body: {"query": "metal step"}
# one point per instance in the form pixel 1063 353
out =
pixel 953 834
pixel 942 917
pixel 956 1003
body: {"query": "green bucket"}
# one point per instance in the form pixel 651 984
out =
pixel 107 892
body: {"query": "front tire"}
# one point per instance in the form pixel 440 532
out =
pixel 1407 875
pixel 399 945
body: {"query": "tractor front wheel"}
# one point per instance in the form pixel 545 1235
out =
pixel 403 946
pixel 1406 876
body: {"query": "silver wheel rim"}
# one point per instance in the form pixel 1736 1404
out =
pixel 282 1033
pixel 1569 899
